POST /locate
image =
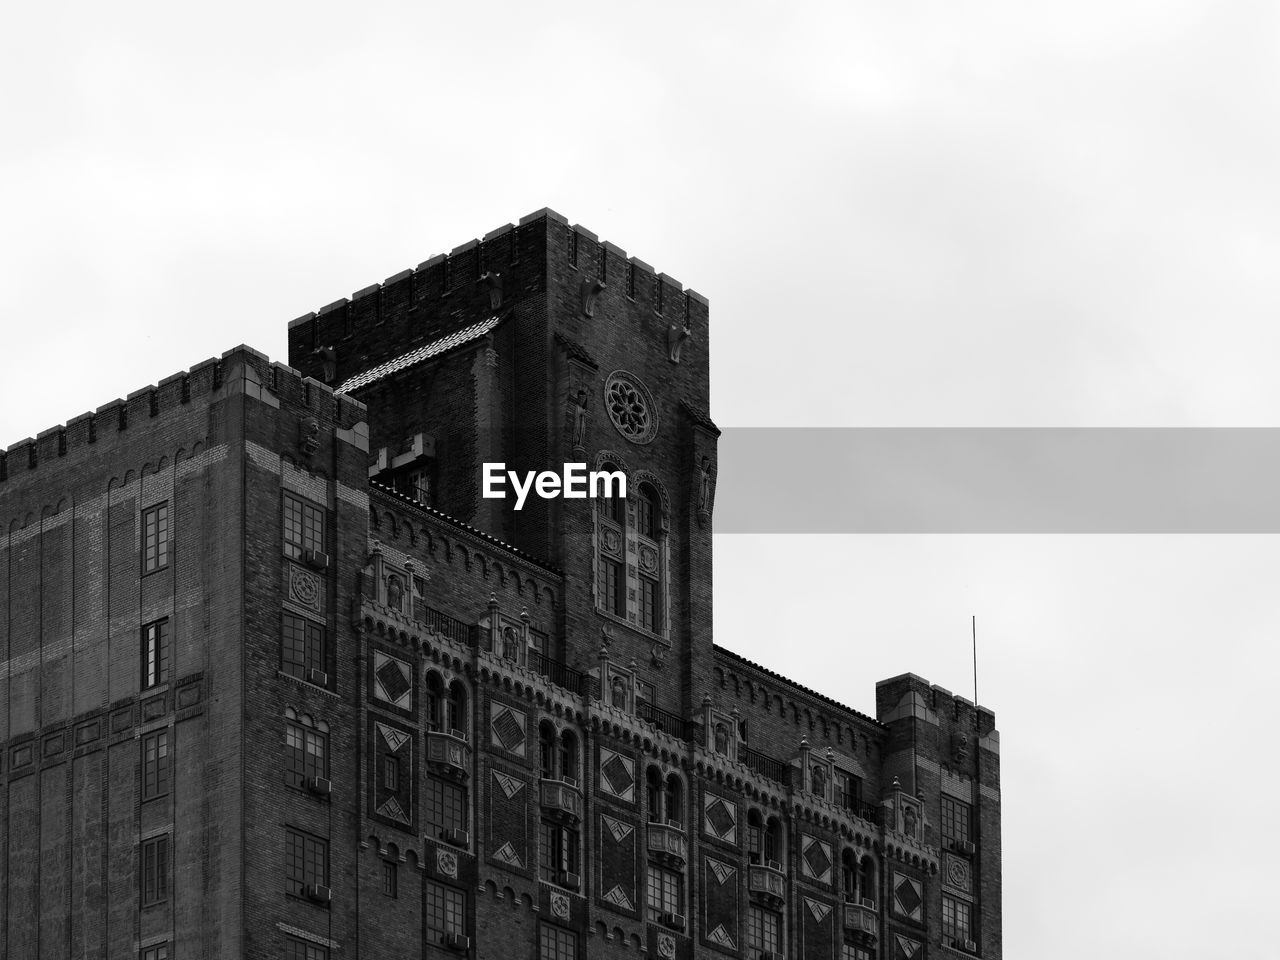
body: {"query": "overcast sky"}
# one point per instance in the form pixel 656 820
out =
pixel 906 214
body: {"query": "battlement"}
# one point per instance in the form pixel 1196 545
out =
pixel 447 291
pixel 242 367
pixel 948 707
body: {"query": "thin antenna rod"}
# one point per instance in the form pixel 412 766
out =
pixel 975 659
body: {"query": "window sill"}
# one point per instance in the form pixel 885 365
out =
pixel 303 683
pixel 635 627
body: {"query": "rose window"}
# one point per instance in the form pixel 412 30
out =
pixel 630 407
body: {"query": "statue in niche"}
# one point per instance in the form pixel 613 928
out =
pixel 328 363
pixel 309 436
pixel 591 288
pixel 395 594
pixel 580 421
pixel 618 693
pixel 510 650
pixel 960 748
pixel 909 820
pixel 722 739
pixel 818 780
pixel 704 486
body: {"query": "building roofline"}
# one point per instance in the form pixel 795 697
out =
pixel 516 552
pixel 798 686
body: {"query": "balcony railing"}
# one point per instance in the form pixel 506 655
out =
pixel 767 883
pixel 667 842
pixel 668 723
pixel 561 674
pixel 766 766
pixel 860 921
pixel 449 751
pixel 562 800
pixel 450 627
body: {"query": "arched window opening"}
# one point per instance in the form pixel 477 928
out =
pixel 849 875
pixel 457 709
pixel 773 842
pixel 674 811
pixel 569 757
pixel 655 795
pixel 867 881
pixel 547 750
pixel 755 836
pixel 435 698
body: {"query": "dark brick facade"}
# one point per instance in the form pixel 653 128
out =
pixel 404 720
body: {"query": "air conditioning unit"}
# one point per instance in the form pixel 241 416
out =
pixel 457 941
pixel 456 837
pixel 318 677
pixel 318 893
pixel 673 920
pixel 316 559
pixel 458 734
pixel 570 781
pixel 971 946
pixel 964 846
pixel 320 786
pixel 774 865
pixel 570 880
pixel 675 823
pixel 868 903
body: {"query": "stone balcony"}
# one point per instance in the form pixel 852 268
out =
pixel 766 882
pixel 861 924
pixel 562 800
pixel 668 844
pixel 449 752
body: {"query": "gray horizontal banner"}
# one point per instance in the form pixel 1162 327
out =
pixel 1042 480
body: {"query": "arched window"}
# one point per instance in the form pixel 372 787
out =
pixel 649 555
pixel 868 879
pixel 568 756
pixel 773 841
pixel 457 708
pixel 655 795
pixel 435 699
pixel 674 802
pixel 755 836
pixel 547 749
pixel 611 546
pixel 849 875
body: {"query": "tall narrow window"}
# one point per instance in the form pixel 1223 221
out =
pixel 568 756
pixel 612 512
pixel 445 806
pixel 612 583
pixel 556 943
pixel 849 875
pixel 155 653
pixel 649 555
pixel 674 802
pixel 303 653
pixel 303 527
pixel 755 836
pixel 435 700
pixel 956 820
pixel 306 750
pixel 155 870
pixel 155 538
pixel 665 893
pixel 390 878
pixel 306 862
pixel 155 765
pixel 848 790
pixel 391 774
pixel 764 930
pixel 547 750
pixel 446 911
pixel 558 854
pixel 957 918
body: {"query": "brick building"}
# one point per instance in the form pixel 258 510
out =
pixel 278 682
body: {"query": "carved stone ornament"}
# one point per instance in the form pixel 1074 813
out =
pixel 666 946
pixel 706 483
pixel 328 363
pixel 630 407
pixel 960 748
pixel 591 289
pixel 309 436
pixel 559 905
pixel 447 862
pixel 492 282
pixel 677 334
pixel 304 588
pixel 648 559
pixel 611 541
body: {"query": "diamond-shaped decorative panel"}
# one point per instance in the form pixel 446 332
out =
pixel 908 896
pixel 617 774
pixel 815 859
pixel 904 948
pixel 391 680
pixel 508 728
pixel 721 819
pixel 820 911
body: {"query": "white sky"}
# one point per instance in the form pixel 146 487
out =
pixel 908 214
